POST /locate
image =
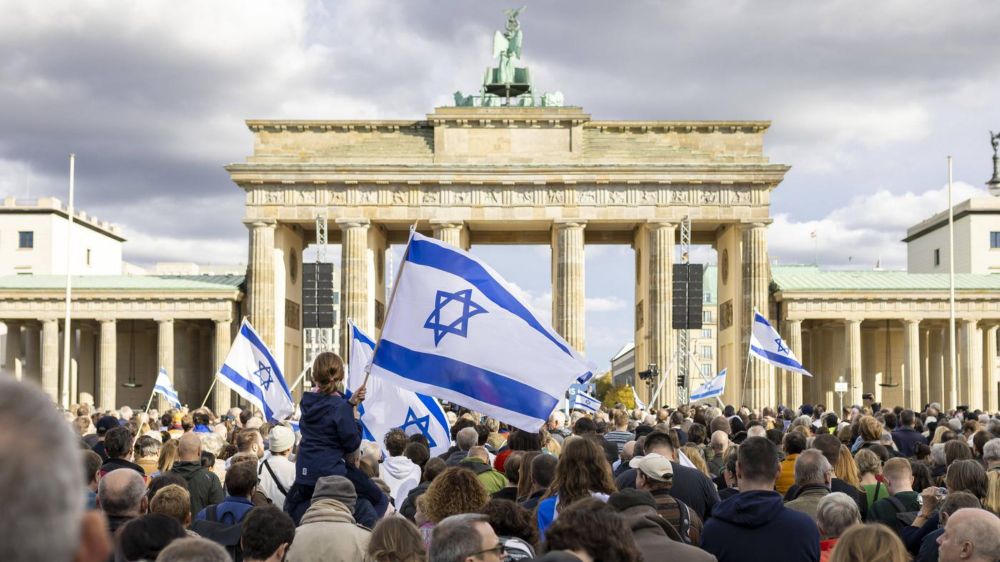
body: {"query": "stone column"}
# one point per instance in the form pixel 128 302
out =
pixel 50 357
pixel 451 232
pixel 12 360
pixel 970 366
pixel 756 280
pixel 911 364
pixel 355 278
pixel 32 355
pixel 568 282
pixel 662 236
pixel 108 375
pixel 260 280
pixel 221 394
pixel 794 386
pixel 992 404
pixel 165 357
pixel 852 361
pixel 936 360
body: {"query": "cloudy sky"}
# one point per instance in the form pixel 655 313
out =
pixel 866 99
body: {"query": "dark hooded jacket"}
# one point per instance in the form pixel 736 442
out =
pixel 203 485
pixel 329 432
pixel 756 525
pixel 658 540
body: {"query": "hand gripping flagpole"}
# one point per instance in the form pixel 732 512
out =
pixel 392 297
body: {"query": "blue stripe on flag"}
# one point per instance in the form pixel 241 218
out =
pixel 254 341
pixel 361 336
pixel 435 409
pixel 248 386
pixel 431 255
pixel 706 394
pixel 776 357
pixel 474 382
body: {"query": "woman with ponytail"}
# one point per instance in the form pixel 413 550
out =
pixel 330 431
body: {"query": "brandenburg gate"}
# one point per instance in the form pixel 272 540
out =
pixel 473 175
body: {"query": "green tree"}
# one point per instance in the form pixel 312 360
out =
pixel 602 386
pixel 619 394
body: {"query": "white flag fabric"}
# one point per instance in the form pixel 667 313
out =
pixel 165 388
pixel 638 403
pixel 710 389
pixel 583 401
pixel 253 373
pixel 387 406
pixel 766 344
pixel 455 330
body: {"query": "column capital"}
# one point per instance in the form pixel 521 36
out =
pixel 106 320
pixel 260 223
pixel 755 223
pixel 853 320
pixel 162 320
pixel 794 321
pixel 909 321
pixel 661 223
pixel 348 223
pixel 222 320
pixel 446 223
pixel 569 223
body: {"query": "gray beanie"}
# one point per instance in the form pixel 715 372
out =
pixel 336 488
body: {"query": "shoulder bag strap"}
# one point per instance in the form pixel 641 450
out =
pixel 281 487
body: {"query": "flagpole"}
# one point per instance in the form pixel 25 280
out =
pixel 64 388
pixel 746 368
pixel 215 379
pixel 152 394
pixel 953 381
pixel 392 298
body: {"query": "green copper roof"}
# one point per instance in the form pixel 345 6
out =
pixel 811 278
pixel 123 282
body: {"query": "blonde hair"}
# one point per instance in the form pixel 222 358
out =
pixel 868 462
pixel 173 501
pixel 168 456
pixel 991 501
pixel 697 458
pixel 869 428
pixel 873 542
pixel 845 469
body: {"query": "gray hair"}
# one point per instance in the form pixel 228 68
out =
pixel 456 537
pixel 938 456
pixel 467 438
pixel 40 481
pixel 757 431
pixel 186 550
pixel 811 467
pixel 121 492
pixel 720 441
pixel 991 450
pixel 146 446
pixel 212 443
pixel 835 513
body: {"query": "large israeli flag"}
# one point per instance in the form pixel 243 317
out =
pixel 583 401
pixel 387 406
pixel 165 388
pixel 710 389
pixel 253 373
pixel 455 330
pixel 766 344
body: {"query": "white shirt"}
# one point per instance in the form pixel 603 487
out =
pixel 283 469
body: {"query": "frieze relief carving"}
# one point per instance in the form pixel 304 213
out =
pixel 430 198
pixel 555 196
pixel 523 197
pixel 461 196
pixel 588 195
pixel 647 196
pixel 616 196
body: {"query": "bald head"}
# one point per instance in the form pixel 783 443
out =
pixel 189 447
pixel 971 535
pixel 122 492
pixel 720 441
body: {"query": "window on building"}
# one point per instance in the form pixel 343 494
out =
pixel 26 239
pixel 706 333
pixel 708 296
pixel 88 256
pixel 706 370
pixel 706 352
pixel 706 316
pixel 937 257
pixel 995 240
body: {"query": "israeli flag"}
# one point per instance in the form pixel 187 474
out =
pixel 710 389
pixel 638 403
pixel 165 388
pixel 253 373
pixel 766 344
pixel 388 406
pixel 455 330
pixel 583 401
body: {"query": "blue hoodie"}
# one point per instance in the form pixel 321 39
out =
pixel 329 432
pixel 755 526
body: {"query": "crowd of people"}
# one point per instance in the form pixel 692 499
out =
pixel 692 483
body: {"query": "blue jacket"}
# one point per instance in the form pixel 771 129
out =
pixel 755 526
pixel 329 431
pixel 907 439
pixel 230 511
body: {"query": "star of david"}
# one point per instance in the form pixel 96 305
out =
pixel 422 424
pixel 263 374
pixel 458 326
pixel 781 346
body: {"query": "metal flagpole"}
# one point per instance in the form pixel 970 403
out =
pixel 152 394
pixel 67 330
pixel 953 382
pixel 215 379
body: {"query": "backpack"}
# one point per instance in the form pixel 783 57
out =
pixel 227 535
pixel 903 518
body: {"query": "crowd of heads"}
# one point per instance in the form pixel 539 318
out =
pixel 696 482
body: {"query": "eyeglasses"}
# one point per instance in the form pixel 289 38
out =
pixel 499 550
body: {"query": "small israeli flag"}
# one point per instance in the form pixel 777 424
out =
pixel 387 406
pixel 583 401
pixel 253 373
pixel 766 344
pixel 710 389
pixel 455 330
pixel 165 388
pixel 638 403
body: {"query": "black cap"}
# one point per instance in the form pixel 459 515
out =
pixel 106 423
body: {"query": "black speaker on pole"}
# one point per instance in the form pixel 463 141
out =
pixel 688 296
pixel 317 295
